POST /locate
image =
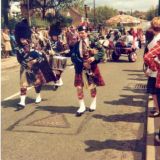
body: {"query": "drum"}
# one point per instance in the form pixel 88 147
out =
pixel 59 63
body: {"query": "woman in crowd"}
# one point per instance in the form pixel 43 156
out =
pixel 6 42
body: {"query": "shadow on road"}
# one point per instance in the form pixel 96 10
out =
pixel 137 79
pixel 122 145
pixel 132 117
pixel 128 100
pixel 127 70
pixel 13 102
pixel 119 61
pixel 58 109
pixel 49 87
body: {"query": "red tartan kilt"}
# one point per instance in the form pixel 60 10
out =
pixel 98 78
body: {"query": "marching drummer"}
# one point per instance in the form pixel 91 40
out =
pixel 87 73
pixel 55 47
pixel 29 60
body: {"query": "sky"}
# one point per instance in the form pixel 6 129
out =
pixel 125 5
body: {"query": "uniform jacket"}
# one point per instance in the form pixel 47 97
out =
pixel 78 60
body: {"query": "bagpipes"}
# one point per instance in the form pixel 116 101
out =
pixel 35 61
pixel 88 77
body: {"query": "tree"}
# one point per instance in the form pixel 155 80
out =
pixel 58 17
pixel 102 14
pixel 79 5
pixel 152 13
pixel 5 9
pixel 46 4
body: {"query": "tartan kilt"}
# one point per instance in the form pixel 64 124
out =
pixel 98 80
pixel 27 80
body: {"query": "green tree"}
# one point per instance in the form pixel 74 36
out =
pixel 79 5
pixel 65 21
pixel 46 4
pixel 151 13
pixel 102 14
pixel 5 9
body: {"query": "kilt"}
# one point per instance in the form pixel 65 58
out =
pixel 158 92
pixel 98 80
pixel 151 83
pixel 28 79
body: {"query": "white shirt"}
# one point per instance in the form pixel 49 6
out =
pixel 80 46
pixel 154 41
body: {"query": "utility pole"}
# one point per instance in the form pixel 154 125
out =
pixel 85 9
pixel 131 12
pixel 28 11
pixel 94 9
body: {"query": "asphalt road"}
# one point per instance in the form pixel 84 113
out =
pixel 50 130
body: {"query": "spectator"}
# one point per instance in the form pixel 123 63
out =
pixel 6 42
pixel 13 42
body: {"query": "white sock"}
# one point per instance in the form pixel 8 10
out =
pixel 38 98
pixel 93 104
pixel 22 100
pixel 59 82
pixel 82 107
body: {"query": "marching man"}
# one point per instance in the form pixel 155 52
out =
pixel 33 65
pixel 87 73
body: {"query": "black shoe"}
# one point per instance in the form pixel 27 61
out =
pixel 78 114
pixel 155 114
pixel 157 137
pixel 153 110
pixel 91 110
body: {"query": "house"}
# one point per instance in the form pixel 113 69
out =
pixel 75 15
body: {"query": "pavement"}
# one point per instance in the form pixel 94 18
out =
pixel 152 147
pixel 10 62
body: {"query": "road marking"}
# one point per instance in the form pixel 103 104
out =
pixel 16 94
pixel 151 150
pixel 150 153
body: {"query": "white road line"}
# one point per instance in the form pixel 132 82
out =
pixel 151 152
pixel 14 95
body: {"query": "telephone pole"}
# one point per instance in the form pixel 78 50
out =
pixel 28 11
pixel 85 9
pixel 94 9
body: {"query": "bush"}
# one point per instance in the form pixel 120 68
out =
pixel 11 23
pixel 65 21
pixel 38 22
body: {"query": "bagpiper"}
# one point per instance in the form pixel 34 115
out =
pixel 34 69
pixel 87 74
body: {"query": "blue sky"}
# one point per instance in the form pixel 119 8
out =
pixel 125 5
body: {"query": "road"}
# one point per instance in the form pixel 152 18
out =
pixel 50 130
